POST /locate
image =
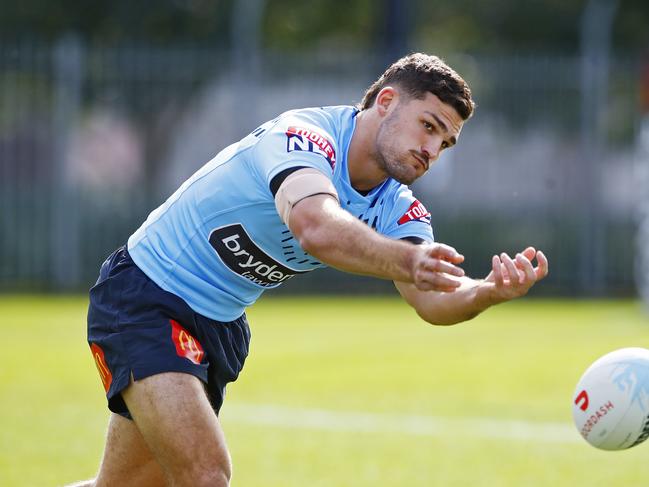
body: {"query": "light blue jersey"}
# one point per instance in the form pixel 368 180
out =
pixel 218 241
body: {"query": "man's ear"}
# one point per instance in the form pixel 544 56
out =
pixel 386 98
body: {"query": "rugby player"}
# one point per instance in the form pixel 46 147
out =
pixel 311 188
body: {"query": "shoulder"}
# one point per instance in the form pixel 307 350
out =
pixel 407 207
pixel 405 215
pixel 328 118
pixel 308 130
pixel 307 137
pixel 327 122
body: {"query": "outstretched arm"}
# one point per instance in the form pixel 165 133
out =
pixel 335 237
pixel 509 279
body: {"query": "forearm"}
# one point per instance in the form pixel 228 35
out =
pixel 465 303
pixel 508 279
pixel 336 238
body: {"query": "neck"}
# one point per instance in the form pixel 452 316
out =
pixel 364 171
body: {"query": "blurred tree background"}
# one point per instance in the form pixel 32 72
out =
pixel 498 26
pixel 105 107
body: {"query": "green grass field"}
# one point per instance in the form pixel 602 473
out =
pixel 345 392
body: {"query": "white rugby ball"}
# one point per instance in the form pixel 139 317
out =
pixel 610 406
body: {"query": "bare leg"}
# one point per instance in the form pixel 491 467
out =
pixel 127 459
pixel 176 421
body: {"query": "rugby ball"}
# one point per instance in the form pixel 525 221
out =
pixel 610 406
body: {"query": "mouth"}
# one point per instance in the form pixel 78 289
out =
pixel 421 161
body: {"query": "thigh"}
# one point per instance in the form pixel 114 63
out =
pixel 177 422
pixel 127 460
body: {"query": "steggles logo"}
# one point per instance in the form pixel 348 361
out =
pixel 186 345
pixel 100 361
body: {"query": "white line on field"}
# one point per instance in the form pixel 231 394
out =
pixel 345 421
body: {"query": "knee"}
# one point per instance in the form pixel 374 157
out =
pixel 220 474
pixel 216 473
pixel 213 478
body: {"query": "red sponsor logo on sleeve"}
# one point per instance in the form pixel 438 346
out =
pixel 186 345
pixel 100 361
pixel 416 211
pixel 303 139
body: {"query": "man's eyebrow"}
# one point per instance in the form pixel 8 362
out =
pixel 453 139
pixel 438 120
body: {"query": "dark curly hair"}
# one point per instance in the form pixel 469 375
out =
pixel 416 74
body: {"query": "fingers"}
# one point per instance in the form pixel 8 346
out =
pixel 514 277
pixel 436 281
pixel 510 267
pixel 529 253
pixel 437 265
pixel 441 258
pixel 436 269
pixel 438 275
pixel 542 269
pixel 524 264
pixel 446 252
pixel 497 271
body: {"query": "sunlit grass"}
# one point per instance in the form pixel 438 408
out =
pixel 518 361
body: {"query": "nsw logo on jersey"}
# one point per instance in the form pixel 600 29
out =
pixel 417 212
pixel 303 139
pixel 242 256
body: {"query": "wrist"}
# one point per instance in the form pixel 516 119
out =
pixel 408 261
pixel 486 295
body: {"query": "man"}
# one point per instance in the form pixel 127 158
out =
pixel 313 187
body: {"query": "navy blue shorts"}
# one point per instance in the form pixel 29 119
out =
pixel 136 328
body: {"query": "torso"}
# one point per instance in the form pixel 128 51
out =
pixel 218 241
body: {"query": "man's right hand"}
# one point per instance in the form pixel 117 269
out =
pixel 434 266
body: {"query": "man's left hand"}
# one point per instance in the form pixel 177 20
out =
pixel 513 278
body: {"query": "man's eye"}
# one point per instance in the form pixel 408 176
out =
pixel 428 126
pixel 445 145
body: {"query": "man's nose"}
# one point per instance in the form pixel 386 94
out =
pixel 431 149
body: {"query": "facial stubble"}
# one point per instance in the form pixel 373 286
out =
pixel 388 157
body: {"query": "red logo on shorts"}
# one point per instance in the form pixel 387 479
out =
pixel 186 345
pixel 417 211
pixel 100 362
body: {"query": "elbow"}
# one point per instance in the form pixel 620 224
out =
pixel 321 227
pixel 310 228
pixel 445 319
pixel 314 241
pixel 436 321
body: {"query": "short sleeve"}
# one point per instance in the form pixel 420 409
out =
pixel 407 218
pixel 293 142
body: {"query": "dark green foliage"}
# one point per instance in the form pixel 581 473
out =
pixel 444 25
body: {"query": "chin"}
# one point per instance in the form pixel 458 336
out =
pixel 401 171
pixel 407 175
pixel 403 179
